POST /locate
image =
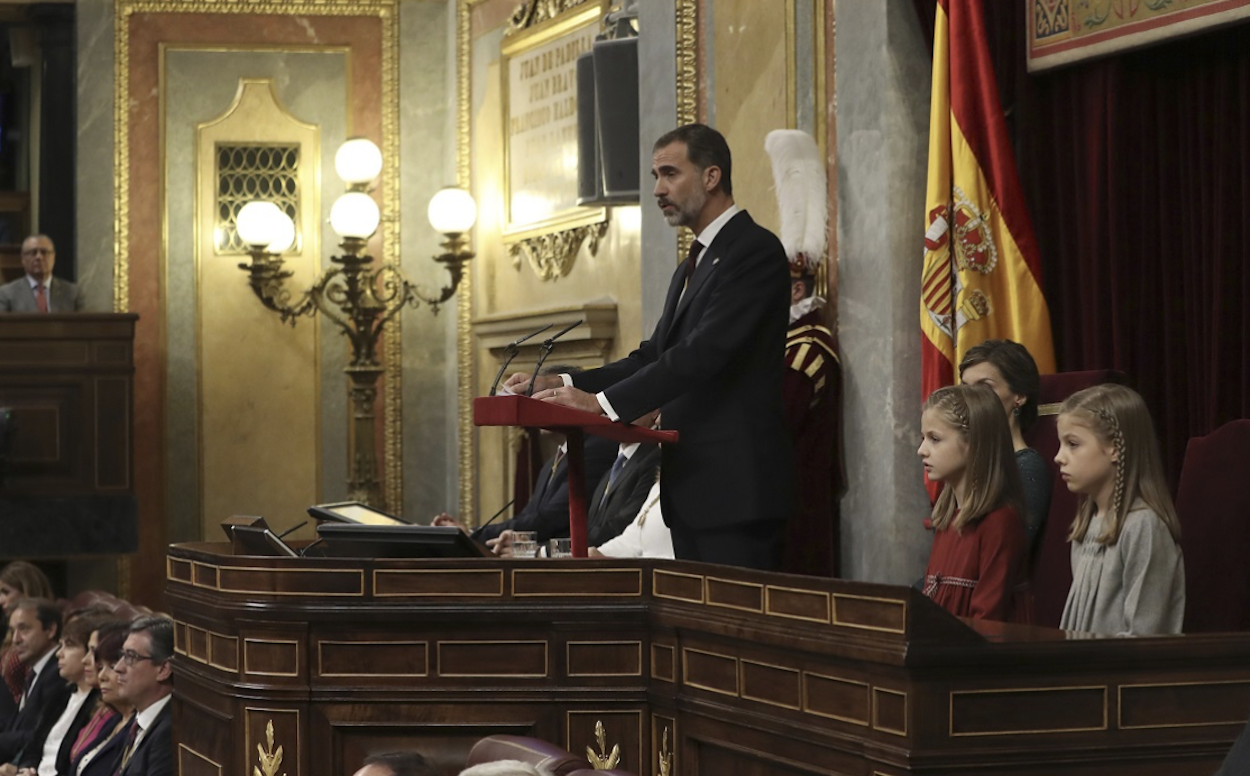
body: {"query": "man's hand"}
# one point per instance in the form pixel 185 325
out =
pixel 501 545
pixel 519 382
pixel 572 397
pixel 446 519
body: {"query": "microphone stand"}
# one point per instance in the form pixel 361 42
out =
pixel 546 348
pixel 511 352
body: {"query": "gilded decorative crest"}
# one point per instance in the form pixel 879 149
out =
pixel 974 244
pixel 602 760
pixel 270 761
pixel 665 757
pixel 552 255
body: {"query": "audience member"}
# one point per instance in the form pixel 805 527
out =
pixel 48 751
pixel 505 768
pixel 143 679
pixel 619 495
pixel 18 580
pixel 99 746
pixel 646 537
pixel 1007 368
pixel 1128 576
pixel 39 291
pixel 36 626
pixel 977 564
pixel 396 764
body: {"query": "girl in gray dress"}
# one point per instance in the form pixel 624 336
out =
pixel 1128 577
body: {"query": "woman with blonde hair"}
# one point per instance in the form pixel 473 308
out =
pixel 1128 576
pixel 977 565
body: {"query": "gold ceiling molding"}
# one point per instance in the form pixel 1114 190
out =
pixel 552 255
pixel 687 18
pixel 466 434
pixel 386 11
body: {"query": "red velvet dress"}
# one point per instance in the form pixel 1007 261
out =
pixel 981 571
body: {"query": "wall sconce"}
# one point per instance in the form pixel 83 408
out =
pixel 359 297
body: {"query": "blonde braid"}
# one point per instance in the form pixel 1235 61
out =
pixel 1117 507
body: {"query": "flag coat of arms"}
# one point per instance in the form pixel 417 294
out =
pixel 981 276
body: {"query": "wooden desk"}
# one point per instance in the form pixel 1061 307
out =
pixel 749 673
pixel 69 476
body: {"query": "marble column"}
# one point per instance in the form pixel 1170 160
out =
pixel 94 160
pixel 882 77
pixel 657 114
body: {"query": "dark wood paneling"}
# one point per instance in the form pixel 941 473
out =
pixel 493 658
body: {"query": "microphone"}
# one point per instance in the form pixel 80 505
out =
pixel 304 551
pixel 292 529
pixel 511 352
pixel 548 345
pixel 501 509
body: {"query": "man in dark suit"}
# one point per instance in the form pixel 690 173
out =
pixel 36 627
pixel 143 678
pixel 619 495
pixel 713 366
pixel 38 291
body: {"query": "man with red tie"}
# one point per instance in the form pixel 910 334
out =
pixel 713 366
pixel 39 291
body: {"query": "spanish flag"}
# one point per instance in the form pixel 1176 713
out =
pixel 982 274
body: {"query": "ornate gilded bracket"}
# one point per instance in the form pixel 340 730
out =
pixel 665 757
pixel 534 12
pixel 552 255
pixel 270 761
pixel 602 760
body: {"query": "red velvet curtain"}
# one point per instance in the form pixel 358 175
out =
pixel 1137 172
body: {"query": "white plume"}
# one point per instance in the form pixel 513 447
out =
pixel 802 194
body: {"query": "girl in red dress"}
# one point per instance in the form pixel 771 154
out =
pixel 977 565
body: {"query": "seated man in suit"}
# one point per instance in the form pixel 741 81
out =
pixel 39 292
pixel 547 511
pixel 647 536
pixel 619 495
pixel 36 627
pixel 143 680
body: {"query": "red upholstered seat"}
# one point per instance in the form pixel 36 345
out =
pixel 1213 502
pixel 1052 566
pixel 530 750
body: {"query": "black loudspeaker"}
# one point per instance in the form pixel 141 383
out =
pixel 616 107
pixel 588 186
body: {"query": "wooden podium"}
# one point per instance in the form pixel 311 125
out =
pixel 68 485
pixel 574 424
pixel 729 671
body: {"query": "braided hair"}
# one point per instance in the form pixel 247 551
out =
pixel 1118 416
pixel 992 476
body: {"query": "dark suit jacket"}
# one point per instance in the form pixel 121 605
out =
pixel 547 511
pixel 154 756
pixel 48 695
pixel 32 753
pixel 17 297
pixel 611 514
pixel 714 365
pixel 105 762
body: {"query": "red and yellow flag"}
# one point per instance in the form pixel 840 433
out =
pixel 981 277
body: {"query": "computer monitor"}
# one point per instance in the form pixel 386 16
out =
pixel 350 540
pixel 354 512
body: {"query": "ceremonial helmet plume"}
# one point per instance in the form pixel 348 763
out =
pixel 802 197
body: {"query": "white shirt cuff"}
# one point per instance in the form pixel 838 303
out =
pixel 607 406
pixel 567 380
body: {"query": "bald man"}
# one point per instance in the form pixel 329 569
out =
pixel 39 291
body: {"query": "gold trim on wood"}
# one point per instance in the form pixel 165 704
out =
pixel 672 662
pixel 546 658
pixel 876 708
pixel 768 603
pixel 248 670
pixel 655 588
pixel 1050 408
pixel 865 722
pixel 377 573
pixel 1007 732
pixel 465 389
pixel 532 13
pixel 742 684
pixel 360 586
pixel 270 760
pixel 552 255
pixel 1119 706
pixel 568 657
pixel 521 573
pixel 901 603
pixel 759 588
pixel 602 760
pixel 321 672
pixel 247 728
pixel 184 748
pixel 685 672
pixel 664 757
pixel 195 577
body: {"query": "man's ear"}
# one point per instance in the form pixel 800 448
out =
pixel 711 177
pixel 164 671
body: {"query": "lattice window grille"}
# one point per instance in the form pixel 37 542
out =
pixel 252 171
